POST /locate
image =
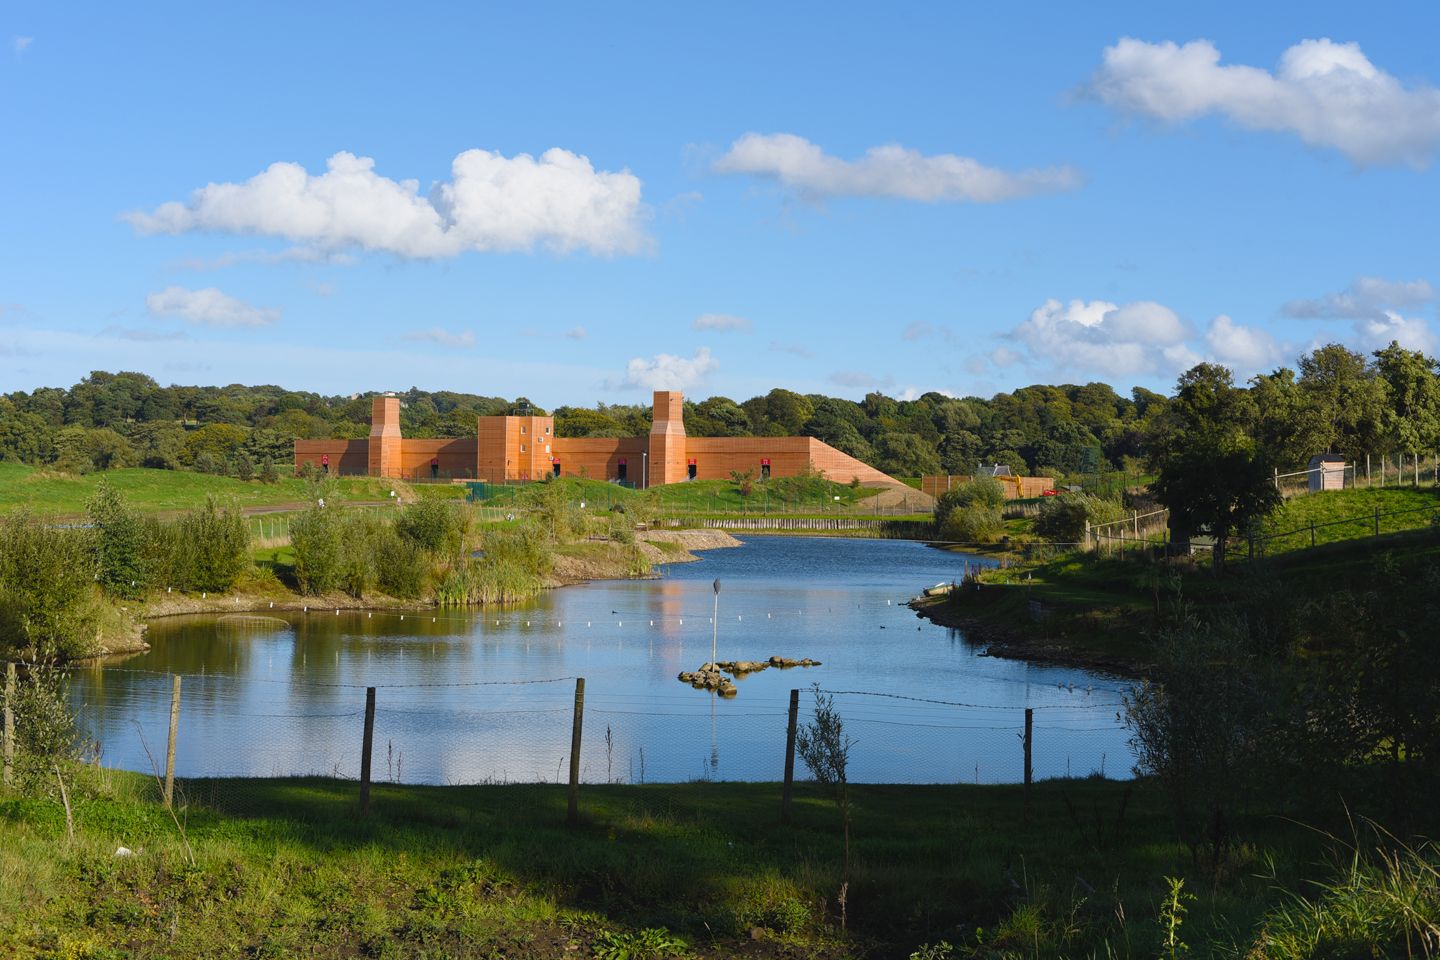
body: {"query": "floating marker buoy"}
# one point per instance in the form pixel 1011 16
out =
pixel 203 595
pixel 304 609
pixel 272 604
pixel 527 623
pixel 370 616
pixel 587 623
pixel 652 623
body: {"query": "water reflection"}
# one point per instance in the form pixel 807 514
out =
pixel 487 696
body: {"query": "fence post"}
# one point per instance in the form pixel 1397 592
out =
pixel 1377 521
pixel 1029 744
pixel 787 794
pixel 1367 471
pixel 1312 533
pixel 572 812
pixel 170 744
pixel 366 751
pixel 9 746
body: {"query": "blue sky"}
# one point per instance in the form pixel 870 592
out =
pixel 609 199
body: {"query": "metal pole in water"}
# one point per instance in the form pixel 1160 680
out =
pixel 715 622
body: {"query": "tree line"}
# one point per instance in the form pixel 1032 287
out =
pixel 1333 400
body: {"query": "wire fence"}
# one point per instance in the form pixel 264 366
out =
pixel 434 731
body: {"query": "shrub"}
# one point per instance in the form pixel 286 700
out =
pixel 434 526
pixel 318 542
pixel 49 604
pixel 214 545
pixel 46 730
pixel 244 466
pixel 1065 518
pixel 119 542
pixel 976 492
pixel 972 524
pixel 268 473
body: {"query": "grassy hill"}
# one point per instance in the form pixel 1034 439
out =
pixel 1340 515
pixel 160 491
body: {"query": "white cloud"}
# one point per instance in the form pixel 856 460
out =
pixel 208 308
pixel 1375 306
pixel 142 335
pixel 794 349
pixel 1412 333
pixel 290 255
pixel 576 333
pixel 666 372
pixel 492 204
pixel 720 321
pixel 1367 298
pixel 21 44
pixel 885 171
pixel 463 340
pixel 1328 94
pixel 1243 349
pixel 917 330
pixel 1143 337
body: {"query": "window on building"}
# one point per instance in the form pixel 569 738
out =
pixel 522 448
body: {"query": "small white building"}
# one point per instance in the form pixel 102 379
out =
pixel 1327 472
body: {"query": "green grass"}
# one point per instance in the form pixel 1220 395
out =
pixel 161 491
pixel 288 868
pixel 1347 515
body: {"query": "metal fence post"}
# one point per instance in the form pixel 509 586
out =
pixel 787 795
pixel 365 750
pixel 170 744
pixel 572 812
pixel 9 746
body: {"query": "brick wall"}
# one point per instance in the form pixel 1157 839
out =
pixel 347 457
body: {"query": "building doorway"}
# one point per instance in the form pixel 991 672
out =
pixel 555 468
pixel 690 469
pixel 765 469
pixel 620 471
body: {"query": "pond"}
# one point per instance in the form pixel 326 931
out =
pixel 488 696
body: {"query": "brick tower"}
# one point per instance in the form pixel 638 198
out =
pixel 667 438
pixel 385 436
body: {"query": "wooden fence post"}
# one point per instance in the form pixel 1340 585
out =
pixel 1377 521
pixel 1029 744
pixel 1312 533
pixel 366 751
pixel 572 812
pixel 788 793
pixel 9 745
pixel 170 744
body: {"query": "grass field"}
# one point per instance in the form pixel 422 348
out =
pixel 160 491
pixel 286 868
pixel 1349 514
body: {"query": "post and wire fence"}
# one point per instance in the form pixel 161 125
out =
pixel 202 745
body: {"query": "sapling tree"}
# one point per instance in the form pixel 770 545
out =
pixel 824 748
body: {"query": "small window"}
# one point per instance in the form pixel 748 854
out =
pixel 547 448
pixel 522 430
pixel 522 448
pixel 547 429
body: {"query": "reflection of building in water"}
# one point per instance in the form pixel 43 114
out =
pixel 526 448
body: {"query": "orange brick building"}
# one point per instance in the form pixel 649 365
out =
pixel 526 448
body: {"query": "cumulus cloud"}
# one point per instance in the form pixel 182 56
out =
pixel 1367 298
pixel 492 203
pixel 1328 94
pixel 1243 349
pixel 21 44
pixel 666 372
pixel 462 340
pixel 208 308
pixel 1143 337
pixel 290 255
pixel 720 321
pixel 1376 307
pixel 886 171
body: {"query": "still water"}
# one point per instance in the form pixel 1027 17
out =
pixel 468 697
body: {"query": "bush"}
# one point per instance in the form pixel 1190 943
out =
pixel 972 524
pixel 214 548
pixel 49 604
pixel 119 542
pixel 976 492
pixel 319 546
pixel 268 473
pixel 46 731
pixel 434 526
pixel 1064 519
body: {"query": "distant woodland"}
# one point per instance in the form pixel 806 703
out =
pixel 1333 400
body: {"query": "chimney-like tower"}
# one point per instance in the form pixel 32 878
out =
pixel 385 436
pixel 667 438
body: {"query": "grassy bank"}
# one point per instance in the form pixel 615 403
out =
pixel 287 868
pixel 167 491
pixel 1106 612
